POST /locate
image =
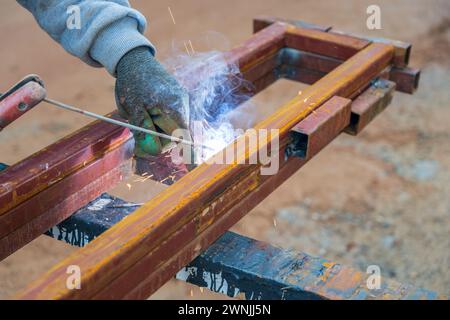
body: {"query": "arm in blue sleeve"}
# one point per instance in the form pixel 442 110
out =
pixel 107 30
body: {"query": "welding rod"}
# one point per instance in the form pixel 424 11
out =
pixel 119 123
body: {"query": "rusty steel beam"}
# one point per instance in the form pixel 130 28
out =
pixel 279 35
pixel 310 38
pixel 187 217
pixel 27 178
pixel 369 104
pixel 48 186
pixel 262 22
pixel 331 45
pixel 264 67
pixel 55 204
pixel 258 48
pixel 307 68
pixel 407 79
pixel 321 123
pixel 402 49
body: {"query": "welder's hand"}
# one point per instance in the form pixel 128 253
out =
pixel 148 96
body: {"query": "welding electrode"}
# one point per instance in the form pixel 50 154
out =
pixel 30 91
pixel 117 122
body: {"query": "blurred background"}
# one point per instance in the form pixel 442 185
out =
pixel 380 198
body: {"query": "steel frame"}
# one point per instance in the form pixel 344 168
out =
pixel 139 254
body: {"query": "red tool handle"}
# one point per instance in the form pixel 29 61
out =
pixel 24 96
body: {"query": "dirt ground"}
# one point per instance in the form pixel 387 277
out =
pixel 380 198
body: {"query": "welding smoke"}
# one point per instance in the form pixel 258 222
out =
pixel 215 87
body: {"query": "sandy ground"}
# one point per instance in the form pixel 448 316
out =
pixel 380 198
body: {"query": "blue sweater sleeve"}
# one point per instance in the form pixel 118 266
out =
pixel 100 32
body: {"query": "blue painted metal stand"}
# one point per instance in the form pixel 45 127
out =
pixel 242 267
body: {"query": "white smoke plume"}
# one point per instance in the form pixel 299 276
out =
pixel 214 89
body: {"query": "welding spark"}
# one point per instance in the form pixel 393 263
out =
pixel 170 12
pixel 210 99
pixel 147 178
pixel 192 47
pixel 187 49
pixel 129 186
pixel 312 110
pixel 126 205
pixel 165 179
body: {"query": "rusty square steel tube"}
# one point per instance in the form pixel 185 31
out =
pixel 308 133
pixel 402 49
pixel 369 104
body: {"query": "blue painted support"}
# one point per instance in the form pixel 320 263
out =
pixel 242 267
pixel 3 166
pixel 92 220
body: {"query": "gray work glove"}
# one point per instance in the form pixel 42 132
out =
pixel 148 96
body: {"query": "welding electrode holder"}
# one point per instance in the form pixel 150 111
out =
pixel 21 98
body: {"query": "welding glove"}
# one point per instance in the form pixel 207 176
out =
pixel 148 96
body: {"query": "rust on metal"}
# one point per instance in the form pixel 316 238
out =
pixel 169 231
pixel 402 50
pixel 258 48
pixel 53 205
pixel 407 79
pixel 262 22
pixel 25 179
pixel 324 43
pixel 308 68
pixel 160 168
pixel 268 65
pixel 321 123
pixel 369 104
